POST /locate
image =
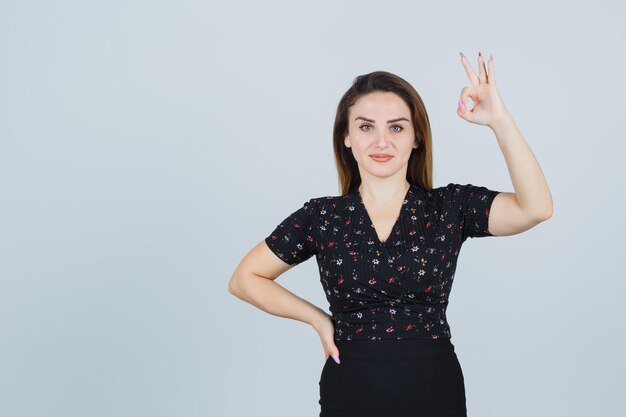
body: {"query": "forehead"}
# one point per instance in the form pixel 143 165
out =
pixel 380 104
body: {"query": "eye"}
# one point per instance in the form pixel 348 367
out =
pixel 401 128
pixel 365 125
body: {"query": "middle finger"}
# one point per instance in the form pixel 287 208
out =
pixel 482 70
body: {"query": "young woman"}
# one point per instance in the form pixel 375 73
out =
pixel 387 248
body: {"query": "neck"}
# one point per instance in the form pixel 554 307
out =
pixel 383 193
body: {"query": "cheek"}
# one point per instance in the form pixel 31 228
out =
pixel 359 149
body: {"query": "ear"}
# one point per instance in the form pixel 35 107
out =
pixel 346 141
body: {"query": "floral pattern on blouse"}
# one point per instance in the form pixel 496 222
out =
pixel 397 289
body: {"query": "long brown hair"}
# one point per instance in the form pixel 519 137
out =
pixel 420 165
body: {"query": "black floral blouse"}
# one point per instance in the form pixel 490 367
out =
pixel 398 289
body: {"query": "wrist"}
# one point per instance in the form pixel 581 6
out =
pixel 318 319
pixel 501 122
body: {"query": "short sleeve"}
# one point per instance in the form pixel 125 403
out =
pixel 292 240
pixel 473 203
pixel 475 208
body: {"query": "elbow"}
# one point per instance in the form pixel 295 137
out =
pixel 543 216
pixel 547 214
pixel 233 286
pixel 238 285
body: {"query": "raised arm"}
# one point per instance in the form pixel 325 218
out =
pixel 531 203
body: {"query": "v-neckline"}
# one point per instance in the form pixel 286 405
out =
pixel 371 223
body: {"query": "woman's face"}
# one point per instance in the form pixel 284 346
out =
pixel 380 124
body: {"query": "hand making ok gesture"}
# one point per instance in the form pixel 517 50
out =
pixel 488 106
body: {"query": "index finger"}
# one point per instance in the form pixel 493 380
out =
pixel 470 72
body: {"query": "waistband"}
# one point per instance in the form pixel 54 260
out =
pixel 393 348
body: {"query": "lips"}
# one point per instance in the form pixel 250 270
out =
pixel 381 157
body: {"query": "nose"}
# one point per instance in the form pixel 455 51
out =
pixel 382 141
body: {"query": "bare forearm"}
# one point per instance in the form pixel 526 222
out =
pixel 269 296
pixel 527 177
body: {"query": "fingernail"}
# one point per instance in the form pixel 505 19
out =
pixel 335 357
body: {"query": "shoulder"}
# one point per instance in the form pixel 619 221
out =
pixel 451 189
pixel 320 204
pixel 463 196
pixel 328 208
pixel 441 193
pixel 451 195
pixel 454 190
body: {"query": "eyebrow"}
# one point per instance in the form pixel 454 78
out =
pixel 388 121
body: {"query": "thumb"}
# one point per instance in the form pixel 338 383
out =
pixel 334 352
pixel 462 109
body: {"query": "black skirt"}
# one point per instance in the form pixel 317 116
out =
pixel 393 378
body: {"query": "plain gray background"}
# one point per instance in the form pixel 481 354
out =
pixel 146 146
